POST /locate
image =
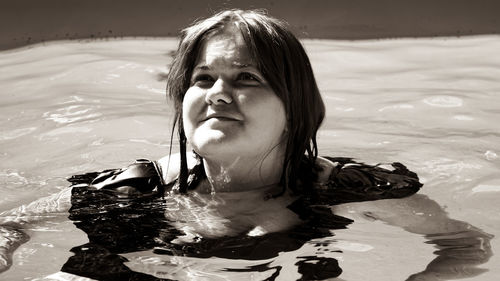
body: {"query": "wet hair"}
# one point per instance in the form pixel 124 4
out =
pixel 283 62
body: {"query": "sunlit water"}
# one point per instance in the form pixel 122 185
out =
pixel 432 104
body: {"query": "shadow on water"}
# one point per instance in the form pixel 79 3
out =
pixel 119 226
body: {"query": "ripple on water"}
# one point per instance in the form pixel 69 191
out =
pixel 71 114
pixel 353 246
pixel 490 155
pixel 10 177
pixel 444 101
pixel 150 89
pixel 396 107
pixel 55 133
pixel 12 134
pixel 463 118
pixel 446 167
pixel 72 99
pixel 486 188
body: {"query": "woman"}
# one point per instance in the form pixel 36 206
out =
pixel 247 103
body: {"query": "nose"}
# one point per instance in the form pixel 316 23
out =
pixel 219 93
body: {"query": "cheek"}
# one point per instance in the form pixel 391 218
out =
pixel 278 114
pixel 269 114
pixel 190 106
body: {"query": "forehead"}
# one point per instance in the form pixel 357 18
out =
pixel 227 47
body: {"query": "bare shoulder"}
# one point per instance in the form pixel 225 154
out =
pixel 324 169
pixel 171 164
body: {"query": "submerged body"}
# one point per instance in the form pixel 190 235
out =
pixel 338 180
pixel 135 209
pixel 205 225
pixel 121 214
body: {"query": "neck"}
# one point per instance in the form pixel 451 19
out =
pixel 244 174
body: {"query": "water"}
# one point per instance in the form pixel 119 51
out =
pixel 432 104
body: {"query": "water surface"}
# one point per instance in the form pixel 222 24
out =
pixel 432 104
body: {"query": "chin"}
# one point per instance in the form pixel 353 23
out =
pixel 212 143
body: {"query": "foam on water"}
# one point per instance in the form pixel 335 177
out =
pixel 432 104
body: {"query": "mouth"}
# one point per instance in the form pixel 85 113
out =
pixel 220 117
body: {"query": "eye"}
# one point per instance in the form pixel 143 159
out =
pixel 202 80
pixel 248 78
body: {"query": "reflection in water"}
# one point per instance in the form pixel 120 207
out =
pixel 461 247
pixel 458 255
pixel 10 239
pixel 118 226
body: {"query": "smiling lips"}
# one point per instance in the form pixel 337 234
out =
pixel 221 117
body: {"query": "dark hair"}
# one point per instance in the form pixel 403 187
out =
pixel 282 61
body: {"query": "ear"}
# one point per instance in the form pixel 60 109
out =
pixel 285 134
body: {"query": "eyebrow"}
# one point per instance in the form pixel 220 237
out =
pixel 234 64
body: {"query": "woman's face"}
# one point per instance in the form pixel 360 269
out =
pixel 229 108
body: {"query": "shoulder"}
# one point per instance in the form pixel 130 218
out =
pixel 170 165
pixel 324 168
pixel 341 179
